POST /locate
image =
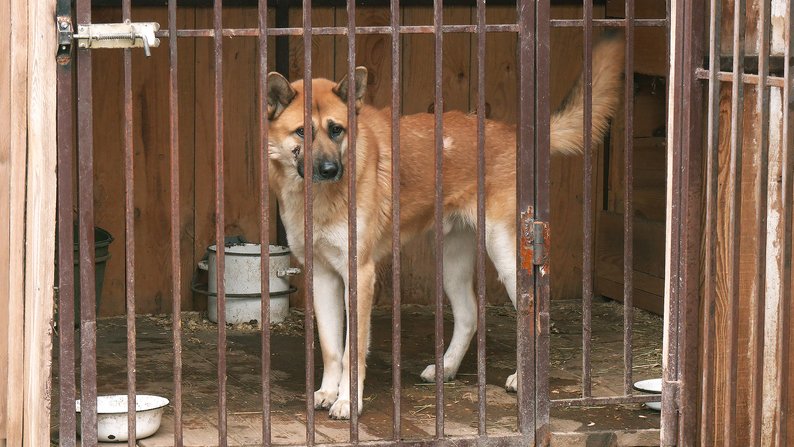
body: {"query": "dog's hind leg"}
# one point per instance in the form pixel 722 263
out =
pixel 459 259
pixel 500 241
pixel 329 311
pixel 366 288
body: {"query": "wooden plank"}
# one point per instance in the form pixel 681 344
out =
pixel 5 196
pixel 18 132
pixel 40 222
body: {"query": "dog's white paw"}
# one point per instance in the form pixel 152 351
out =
pixel 323 399
pixel 429 374
pixel 512 383
pixel 340 409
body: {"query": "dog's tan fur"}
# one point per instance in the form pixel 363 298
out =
pixel 373 200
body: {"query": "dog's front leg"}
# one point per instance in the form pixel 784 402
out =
pixel 366 288
pixel 329 311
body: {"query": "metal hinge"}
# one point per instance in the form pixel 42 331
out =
pixel 106 35
pixel 534 239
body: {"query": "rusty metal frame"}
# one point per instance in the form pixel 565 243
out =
pixel 533 27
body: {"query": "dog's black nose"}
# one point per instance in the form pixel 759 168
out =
pixel 328 169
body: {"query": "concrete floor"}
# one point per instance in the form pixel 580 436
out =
pixel 609 425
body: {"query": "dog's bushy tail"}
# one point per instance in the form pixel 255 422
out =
pixel 566 124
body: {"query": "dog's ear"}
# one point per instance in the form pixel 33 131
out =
pixel 360 88
pixel 279 94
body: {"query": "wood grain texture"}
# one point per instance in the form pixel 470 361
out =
pixel 18 139
pixel 5 203
pixel 39 222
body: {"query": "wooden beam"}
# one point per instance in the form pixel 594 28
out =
pixel 18 147
pixel 5 173
pixel 40 221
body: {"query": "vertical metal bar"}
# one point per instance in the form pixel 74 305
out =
pixel 220 218
pixel 587 214
pixel 352 251
pixel 67 426
pixel 543 213
pixel 628 202
pixel 481 398
pixel 758 295
pixel 85 181
pixel 438 18
pixel 176 260
pixel 525 189
pixel 787 217
pixel 734 220
pixel 129 231
pixel 712 172
pixel 687 298
pixel 264 224
pixel 308 232
pixel 395 200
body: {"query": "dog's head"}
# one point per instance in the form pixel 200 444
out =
pixel 329 140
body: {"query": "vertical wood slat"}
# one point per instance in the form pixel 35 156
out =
pixel 5 203
pixel 480 228
pixel 587 231
pixel 628 202
pixel 395 198
pixel 758 301
pixel 734 220
pixel 707 406
pixel 17 160
pixel 40 221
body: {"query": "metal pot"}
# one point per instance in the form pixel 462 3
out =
pixel 242 269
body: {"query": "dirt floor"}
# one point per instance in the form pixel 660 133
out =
pixel 609 425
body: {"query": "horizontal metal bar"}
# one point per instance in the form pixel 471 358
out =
pixel 468 441
pixel 610 400
pixel 323 3
pixel 753 79
pixel 405 29
pixel 616 23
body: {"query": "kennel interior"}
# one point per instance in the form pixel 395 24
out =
pixel 196 141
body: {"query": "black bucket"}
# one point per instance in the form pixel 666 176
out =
pixel 102 240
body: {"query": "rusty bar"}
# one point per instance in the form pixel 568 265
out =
pixel 264 225
pixel 481 398
pixel 787 217
pixel 129 231
pixel 505 440
pixel 67 431
pixel 587 193
pixel 308 233
pixel 352 251
pixel 438 18
pixel 759 293
pixel 710 228
pixel 608 400
pixel 675 95
pixel 176 259
pixel 687 298
pixel 628 201
pixel 734 222
pixel 747 78
pixel 542 213
pixel 611 23
pixel 525 190
pixel 85 182
pixel 219 219
pixel 395 200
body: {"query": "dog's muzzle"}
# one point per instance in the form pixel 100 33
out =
pixel 324 170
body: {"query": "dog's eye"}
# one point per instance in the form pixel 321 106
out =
pixel 335 130
pixel 299 132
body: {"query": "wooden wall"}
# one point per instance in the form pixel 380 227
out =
pixel 151 127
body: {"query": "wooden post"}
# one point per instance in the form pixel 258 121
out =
pixel 40 221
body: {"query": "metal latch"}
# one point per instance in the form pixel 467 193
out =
pixel 109 35
pixel 534 240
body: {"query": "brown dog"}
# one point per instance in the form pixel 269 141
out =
pixel 373 200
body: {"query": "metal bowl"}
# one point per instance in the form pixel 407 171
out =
pixel 112 416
